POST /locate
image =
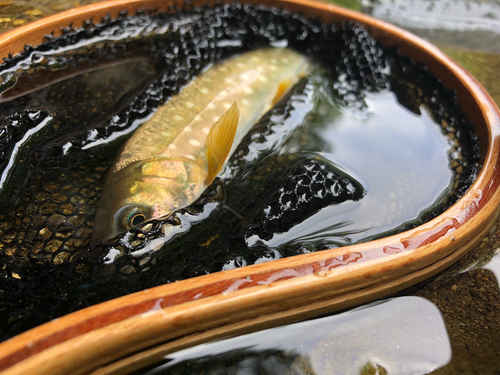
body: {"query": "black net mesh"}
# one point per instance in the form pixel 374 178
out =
pixel 49 199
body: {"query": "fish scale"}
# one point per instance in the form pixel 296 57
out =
pixel 203 101
pixel 36 292
pixel 170 160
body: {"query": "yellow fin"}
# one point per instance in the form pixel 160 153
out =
pixel 219 141
pixel 282 89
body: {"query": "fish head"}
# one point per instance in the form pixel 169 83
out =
pixel 145 190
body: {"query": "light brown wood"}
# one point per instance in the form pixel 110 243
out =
pixel 105 338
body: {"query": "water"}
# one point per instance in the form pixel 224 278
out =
pixel 415 158
pixel 364 118
pixel 405 335
pixel 470 24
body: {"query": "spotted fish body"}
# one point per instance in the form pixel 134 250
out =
pixel 171 159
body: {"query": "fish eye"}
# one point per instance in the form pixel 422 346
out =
pixel 134 217
pixel 137 219
pixel 129 217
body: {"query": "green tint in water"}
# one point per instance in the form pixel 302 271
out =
pixel 401 159
pixel 46 192
pixel 405 335
pixel 371 144
pixel 389 169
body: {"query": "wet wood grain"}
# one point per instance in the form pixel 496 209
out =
pixel 263 295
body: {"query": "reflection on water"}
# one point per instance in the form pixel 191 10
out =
pixel 469 302
pixel 404 335
pixel 471 24
pixel 361 146
pixel 361 338
pixel 242 361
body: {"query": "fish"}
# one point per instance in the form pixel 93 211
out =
pixel 172 158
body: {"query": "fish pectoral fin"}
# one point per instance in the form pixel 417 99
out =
pixel 219 141
pixel 282 90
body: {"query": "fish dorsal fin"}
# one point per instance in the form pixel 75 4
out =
pixel 282 90
pixel 219 141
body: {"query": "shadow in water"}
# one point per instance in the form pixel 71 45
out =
pixel 405 335
pixel 240 361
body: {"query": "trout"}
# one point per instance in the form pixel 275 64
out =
pixel 171 159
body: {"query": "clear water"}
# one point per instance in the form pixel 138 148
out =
pixel 358 117
pixel 401 159
pixel 405 335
